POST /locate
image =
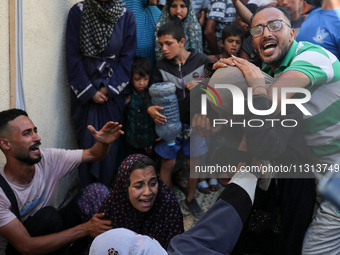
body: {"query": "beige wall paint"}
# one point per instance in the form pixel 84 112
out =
pixel 46 90
pixel 4 56
pixel 46 87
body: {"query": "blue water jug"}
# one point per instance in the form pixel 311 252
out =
pixel 163 94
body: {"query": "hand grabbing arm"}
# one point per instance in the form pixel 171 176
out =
pixel 253 75
pixel 96 226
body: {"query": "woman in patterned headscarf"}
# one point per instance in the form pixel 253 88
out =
pixel 100 47
pixel 142 203
pixel 192 29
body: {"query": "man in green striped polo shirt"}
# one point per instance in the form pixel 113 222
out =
pixel 303 65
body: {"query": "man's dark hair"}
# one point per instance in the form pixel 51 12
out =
pixel 141 66
pixel 284 10
pixel 252 7
pixel 232 30
pixel 172 28
pixel 9 115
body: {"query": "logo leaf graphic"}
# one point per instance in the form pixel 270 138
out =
pixel 212 89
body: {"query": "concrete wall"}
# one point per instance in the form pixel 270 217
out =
pixel 4 56
pixel 46 89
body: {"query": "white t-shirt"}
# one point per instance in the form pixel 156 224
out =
pixel 261 2
pixel 199 4
pixel 42 191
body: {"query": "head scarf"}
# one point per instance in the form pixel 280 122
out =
pixel 162 222
pixel 169 3
pixel 146 20
pixel 192 29
pixel 98 21
pixel 121 241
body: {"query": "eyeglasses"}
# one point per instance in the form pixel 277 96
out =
pixel 273 26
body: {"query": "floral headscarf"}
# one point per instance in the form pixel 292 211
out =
pixel 192 28
pixel 162 222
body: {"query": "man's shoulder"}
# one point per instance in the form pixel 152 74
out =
pixel 220 1
pixel 59 160
pixel 317 63
pixel 54 154
pixel 311 50
pixel 304 49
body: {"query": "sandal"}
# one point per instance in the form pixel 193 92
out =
pixel 180 182
pixel 203 187
pixel 214 185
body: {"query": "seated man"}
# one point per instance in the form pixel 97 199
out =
pixel 314 68
pixel 34 175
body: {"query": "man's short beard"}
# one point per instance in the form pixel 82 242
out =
pixel 29 160
pixel 275 62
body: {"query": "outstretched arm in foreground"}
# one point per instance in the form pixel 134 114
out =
pixel 17 235
pixel 218 230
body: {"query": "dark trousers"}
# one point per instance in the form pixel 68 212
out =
pixel 49 220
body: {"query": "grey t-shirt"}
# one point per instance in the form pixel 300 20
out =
pixel 42 191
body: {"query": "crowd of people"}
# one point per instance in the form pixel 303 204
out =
pixel 117 49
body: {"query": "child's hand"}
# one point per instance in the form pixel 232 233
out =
pixel 127 99
pixel 192 84
pixel 158 118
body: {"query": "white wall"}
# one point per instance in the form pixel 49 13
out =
pixel 45 82
pixel 4 56
pixel 46 89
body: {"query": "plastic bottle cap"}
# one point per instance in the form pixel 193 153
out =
pixel 171 143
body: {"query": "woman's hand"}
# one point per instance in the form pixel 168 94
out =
pixel 101 96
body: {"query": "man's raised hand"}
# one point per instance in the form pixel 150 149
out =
pixel 108 134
